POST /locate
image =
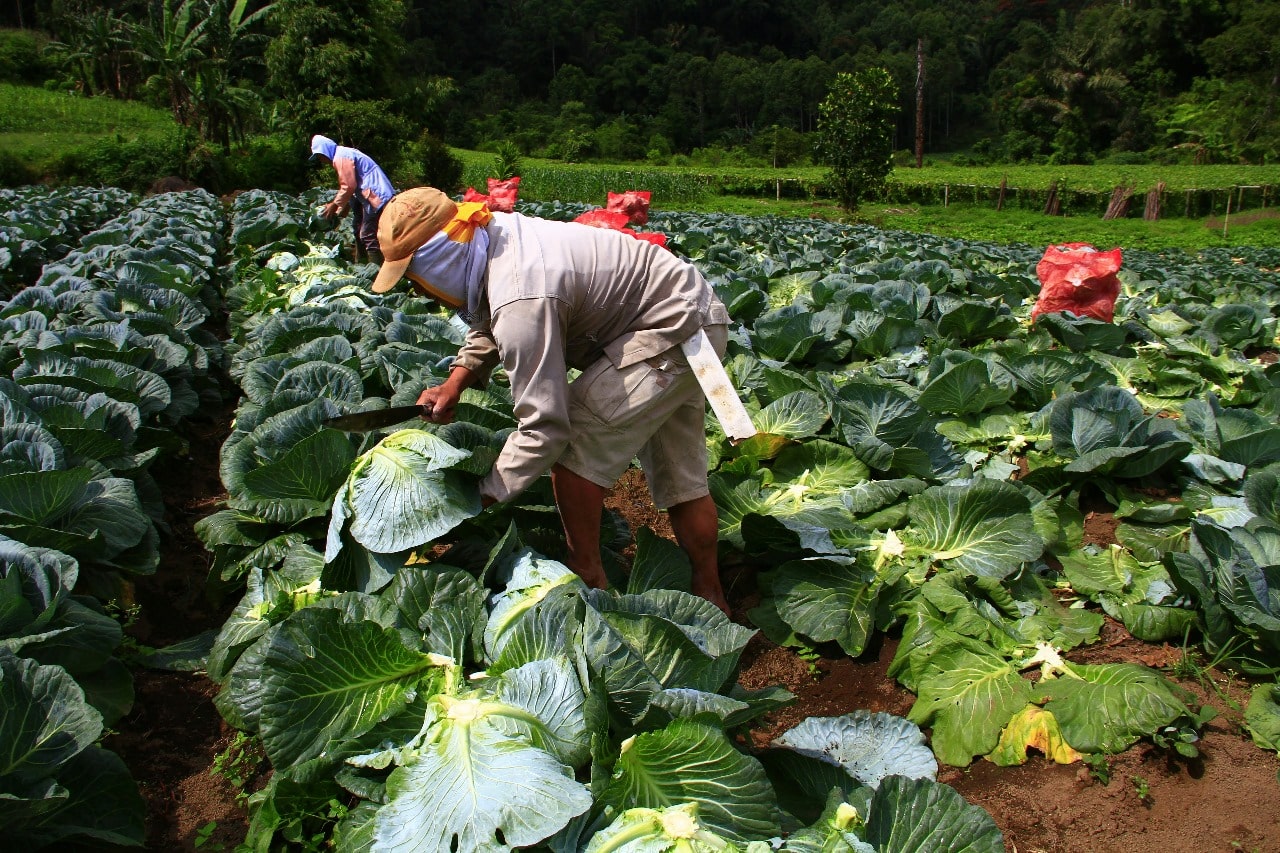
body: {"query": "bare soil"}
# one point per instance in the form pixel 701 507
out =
pixel 1227 800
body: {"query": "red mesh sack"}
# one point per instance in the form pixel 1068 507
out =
pixel 502 194
pixel 1078 278
pixel 601 218
pixel 657 238
pixel 617 221
pixel 472 195
pixel 634 203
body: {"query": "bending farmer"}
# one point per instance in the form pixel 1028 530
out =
pixel 542 297
pixel 361 184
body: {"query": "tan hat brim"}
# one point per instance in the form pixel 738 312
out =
pixel 390 273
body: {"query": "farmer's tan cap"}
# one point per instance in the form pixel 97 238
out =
pixel 410 219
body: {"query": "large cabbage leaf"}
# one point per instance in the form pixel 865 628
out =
pixel 967 695
pixel 1107 707
pixel 401 494
pixel 57 784
pixel 868 745
pixel 327 677
pixel 691 761
pixel 983 527
pixel 1234 575
pixel 286 469
pixel 638 644
pixel 901 816
pixel 92 519
pixel 832 599
pixel 961 384
pixel 1106 431
pixel 480 781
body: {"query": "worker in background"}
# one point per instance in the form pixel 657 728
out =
pixel 542 297
pixel 361 184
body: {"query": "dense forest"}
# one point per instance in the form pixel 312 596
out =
pixel 1050 81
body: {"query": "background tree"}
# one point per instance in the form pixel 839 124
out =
pixel 98 49
pixel 348 49
pixel 1246 57
pixel 1081 92
pixel 171 46
pixel 1049 80
pixel 190 51
pixel 855 134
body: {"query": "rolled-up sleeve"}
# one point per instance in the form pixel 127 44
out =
pixel 532 332
pixel 478 354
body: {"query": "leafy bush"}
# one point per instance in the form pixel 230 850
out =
pixel 15 173
pixel 855 134
pixel 780 147
pixel 271 162
pixel 372 126
pixel 131 164
pixel 903 157
pixel 428 162
pixel 619 139
pixel 21 57
pixel 508 164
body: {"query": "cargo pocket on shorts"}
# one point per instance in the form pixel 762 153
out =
pixel 615 397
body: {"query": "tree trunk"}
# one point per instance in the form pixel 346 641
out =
pixel 919 103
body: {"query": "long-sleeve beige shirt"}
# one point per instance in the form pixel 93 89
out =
pixel 562 295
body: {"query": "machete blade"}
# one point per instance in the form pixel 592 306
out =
pixel 376 419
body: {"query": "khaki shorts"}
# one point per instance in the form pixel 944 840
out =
pixel 653 411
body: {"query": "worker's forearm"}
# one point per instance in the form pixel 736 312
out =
pixel 460 379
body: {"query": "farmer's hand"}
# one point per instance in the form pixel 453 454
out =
pixel 443 398
pixel 441 403
pixel 329 211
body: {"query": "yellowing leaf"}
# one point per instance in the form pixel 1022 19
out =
pixel 764 445
pixel 1032 728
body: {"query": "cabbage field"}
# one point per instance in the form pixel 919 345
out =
pixel 424 676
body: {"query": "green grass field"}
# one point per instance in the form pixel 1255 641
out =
pixel 1255 228
pixel 38 126
pixel 969 222
pixel 961 180
pixel 1099 178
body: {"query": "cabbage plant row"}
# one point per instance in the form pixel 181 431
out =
pixel 38 224
pixel 103 355
pixel 423 676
